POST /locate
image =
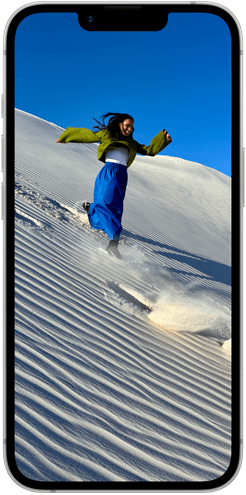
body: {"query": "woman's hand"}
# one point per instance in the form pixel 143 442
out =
pixel 59 141
pixel 167 136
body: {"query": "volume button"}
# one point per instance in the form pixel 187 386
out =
pixel 2 155
pixel 2 205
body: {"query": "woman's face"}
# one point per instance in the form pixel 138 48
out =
pixel 127 127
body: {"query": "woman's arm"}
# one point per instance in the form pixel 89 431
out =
pixel 167 136
pixel 158 143
pixel 79 135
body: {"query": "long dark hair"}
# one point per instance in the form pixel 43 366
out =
pixel 113 124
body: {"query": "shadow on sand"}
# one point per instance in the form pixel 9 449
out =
pixel 219 272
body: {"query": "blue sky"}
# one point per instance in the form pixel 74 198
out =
pixel 178 79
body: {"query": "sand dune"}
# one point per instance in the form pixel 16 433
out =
pixel 123 369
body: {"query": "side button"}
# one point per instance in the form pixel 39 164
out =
pixel 2 107
pixel 243 176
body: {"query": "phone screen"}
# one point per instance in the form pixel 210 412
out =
pixel 123 221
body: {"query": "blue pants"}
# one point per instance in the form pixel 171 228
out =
pixel 109 192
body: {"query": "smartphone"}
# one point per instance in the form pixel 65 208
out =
pixel 122 207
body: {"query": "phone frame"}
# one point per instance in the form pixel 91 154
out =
pixel 237 209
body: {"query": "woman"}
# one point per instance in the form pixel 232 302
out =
pixel 117 150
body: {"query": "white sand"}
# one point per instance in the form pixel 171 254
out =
pixel 107 389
